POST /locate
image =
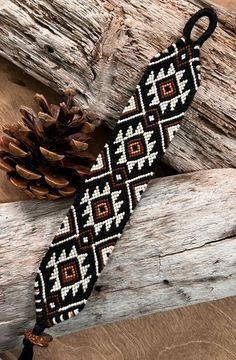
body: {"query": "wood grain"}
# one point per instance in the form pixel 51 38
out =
pixel 204 331
pixel 104 48
pixel 229 4
pixel 177 249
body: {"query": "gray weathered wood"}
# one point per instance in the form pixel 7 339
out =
pixel 102 47
pixel 179 248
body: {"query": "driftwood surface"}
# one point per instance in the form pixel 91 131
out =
pixel 178 249
pixel 201 331
pixel 102 47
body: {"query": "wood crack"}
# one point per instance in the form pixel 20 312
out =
pixel 194 248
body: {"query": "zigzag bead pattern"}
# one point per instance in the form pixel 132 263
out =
pixel 118 178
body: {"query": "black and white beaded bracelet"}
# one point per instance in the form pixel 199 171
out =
pixel 109 195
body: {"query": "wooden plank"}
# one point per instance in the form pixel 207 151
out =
pixel 179 248
pixel 102 48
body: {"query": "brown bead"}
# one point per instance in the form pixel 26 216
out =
pixel 41 340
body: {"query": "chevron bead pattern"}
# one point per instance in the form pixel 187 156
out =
pixel 118 178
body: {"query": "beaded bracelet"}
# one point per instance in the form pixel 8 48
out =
pixel 109 195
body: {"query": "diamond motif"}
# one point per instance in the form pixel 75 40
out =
pixel 68 272
pixel 62 272
pixel 102 209
pixel 135 148
pixel 145 144
pixel 118 177
pixel 151 118
pixel 52 305
pixel 117 180
pixel 85 239
pixel 168 88
pixel 183 57
pixel 97 216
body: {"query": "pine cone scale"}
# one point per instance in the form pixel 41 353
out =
pixel 77 145
pixel 5 166
pixel 46 119
pixel 56 182
pixel 48 155
pixel 26 173
pixel 67 191
pixel 16 150
pixel 42 102
pixel 39 190
pixel 18 182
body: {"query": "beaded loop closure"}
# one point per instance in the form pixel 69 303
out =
pixel 118 178
pixel 206 12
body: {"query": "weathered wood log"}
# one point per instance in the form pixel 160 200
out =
pixel 101 48
pixel 201 331
pixel 179 248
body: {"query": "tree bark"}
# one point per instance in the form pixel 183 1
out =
pixel 178 249
pixel 102 47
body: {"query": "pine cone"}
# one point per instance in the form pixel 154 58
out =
pixel 47 156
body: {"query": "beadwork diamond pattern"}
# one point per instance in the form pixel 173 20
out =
pixel 118 178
